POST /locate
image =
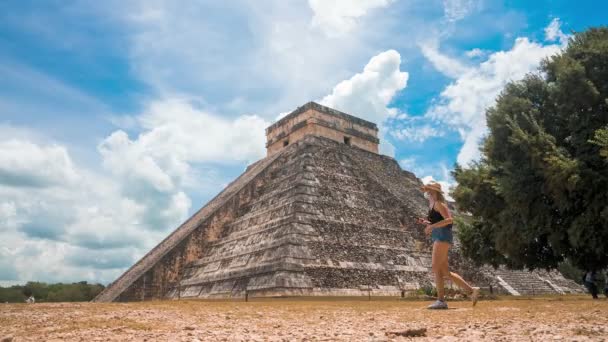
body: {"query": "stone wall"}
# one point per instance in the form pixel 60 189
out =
pixel 322 129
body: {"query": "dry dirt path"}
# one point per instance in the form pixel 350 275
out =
pixel 538 319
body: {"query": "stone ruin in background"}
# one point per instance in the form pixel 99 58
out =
pixel 323 214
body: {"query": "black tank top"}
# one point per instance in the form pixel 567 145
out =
pixel 435 216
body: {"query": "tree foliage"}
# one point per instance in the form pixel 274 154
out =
pixel 539 194
pixel 43 292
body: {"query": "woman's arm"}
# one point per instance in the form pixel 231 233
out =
pixel 425 221
pixel 445 213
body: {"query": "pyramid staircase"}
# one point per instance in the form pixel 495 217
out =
pixel 532 283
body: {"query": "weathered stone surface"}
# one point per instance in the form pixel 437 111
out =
pixel 319 224
pixel 316 218
pixel 315 119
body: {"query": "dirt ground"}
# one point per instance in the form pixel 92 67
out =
pixel 572 318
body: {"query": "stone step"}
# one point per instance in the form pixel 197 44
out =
pixel 236 249
pixel 280 196
pixel 525 282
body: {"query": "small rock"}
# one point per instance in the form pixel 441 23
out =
pixel 189 328
pixel 409 333
pixel 8 338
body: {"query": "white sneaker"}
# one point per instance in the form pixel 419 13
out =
pixel 475 295
pixel 438 305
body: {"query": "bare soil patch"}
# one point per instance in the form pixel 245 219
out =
pixel 570 318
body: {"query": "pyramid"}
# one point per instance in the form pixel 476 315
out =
pixel 323 214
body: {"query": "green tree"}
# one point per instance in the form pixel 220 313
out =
pixel 539 194
pixel 43 292
pixel 601 139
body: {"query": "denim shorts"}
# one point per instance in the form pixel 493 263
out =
pixel 443 234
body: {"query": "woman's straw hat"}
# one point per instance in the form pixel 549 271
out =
pixel 433 186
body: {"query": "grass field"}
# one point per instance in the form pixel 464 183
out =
pixel 571 318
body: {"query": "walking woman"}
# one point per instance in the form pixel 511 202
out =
pixel 439 227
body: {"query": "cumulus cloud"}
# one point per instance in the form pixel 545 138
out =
pixel 156 167
pixel 7 267
pixel 463 102
pixel 25 164
pixel 427 172
pixel 67 213
pixel 8 216
pixel 61 221
pixel 368 94
pixel 176 134
pixel 476 52
pixel 340 16
pixel 553 32
pixel 278 56
pixel 455 10
pixel 448 66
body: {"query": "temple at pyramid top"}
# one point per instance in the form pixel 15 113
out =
pixel 315 119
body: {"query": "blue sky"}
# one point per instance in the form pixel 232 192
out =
pixel 119 119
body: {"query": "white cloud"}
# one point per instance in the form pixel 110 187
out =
pixel 409 164
pixel 463 103
pixel 428 171
pixel 340 16
pixel 275 61
pixel 368 94
pixel 386 148
pixel 155 167
pixel 476 52
pixel 455 10
pixel 446 65
pixel 175 132
pixel 25 164
pixel 417 133
pixel 73 224
pixel 58 209
pixel 553 32
pixel 8 216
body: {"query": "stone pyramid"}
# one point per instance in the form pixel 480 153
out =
pixel 323 214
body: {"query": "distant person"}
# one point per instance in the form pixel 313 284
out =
pixel 439 227
pixel 29 294
pixel 589 281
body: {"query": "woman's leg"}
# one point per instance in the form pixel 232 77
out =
pixel 440 259
pixel 445 271
pixel 460 282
